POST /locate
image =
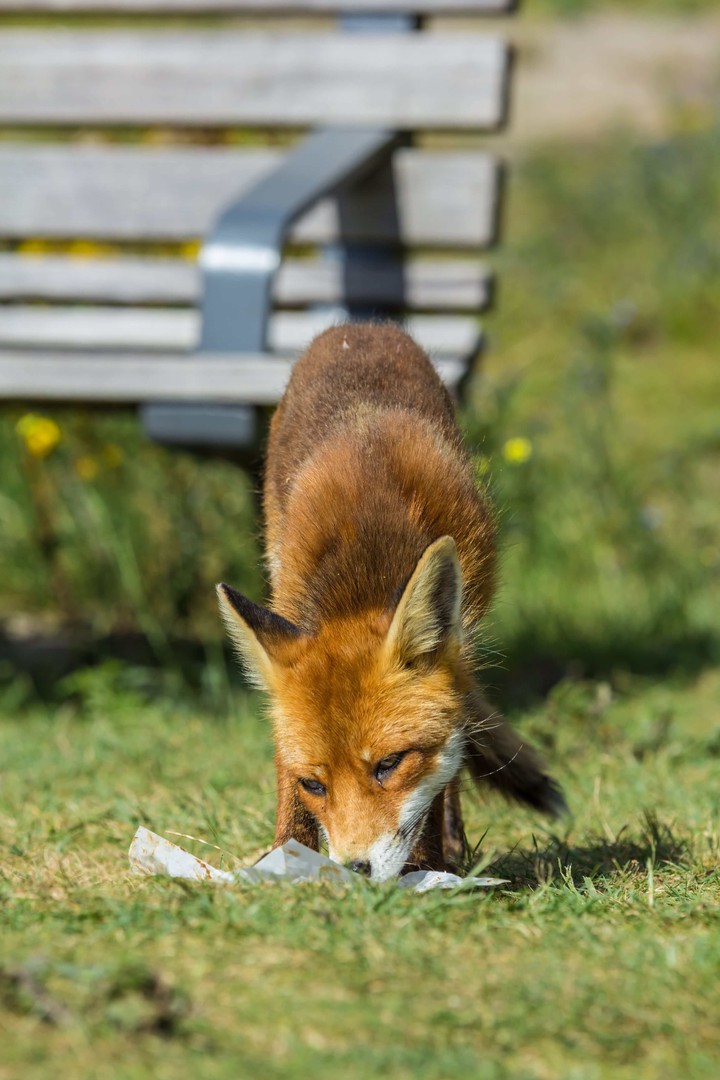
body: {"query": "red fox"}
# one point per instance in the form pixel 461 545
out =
pixel 381 556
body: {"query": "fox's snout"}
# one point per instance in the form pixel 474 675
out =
pixel 381 864
pixel 373 826
pixel 383 859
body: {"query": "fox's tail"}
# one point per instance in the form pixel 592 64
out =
pixel 497 755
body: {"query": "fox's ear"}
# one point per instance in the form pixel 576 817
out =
pixel 428 614
pixel 257 633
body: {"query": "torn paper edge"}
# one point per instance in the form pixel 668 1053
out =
pixel 151 855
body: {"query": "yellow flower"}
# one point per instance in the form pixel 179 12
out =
pixel 86 467
pixel 39 433
pixel 517 451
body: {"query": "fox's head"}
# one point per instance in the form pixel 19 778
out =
pixel 366 709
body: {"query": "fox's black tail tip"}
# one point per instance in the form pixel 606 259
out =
pixel 547 796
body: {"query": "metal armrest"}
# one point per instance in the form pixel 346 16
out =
pixel 241 256
pixel 238 263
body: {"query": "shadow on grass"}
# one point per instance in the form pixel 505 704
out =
pixel 43 659
pixel 600 858
pixel 532 666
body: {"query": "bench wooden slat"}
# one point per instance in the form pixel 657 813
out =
pixel 175 330
pixel 264 7
pixel 130 378
pixel 452 285
pixel 150 193
pixel 209 77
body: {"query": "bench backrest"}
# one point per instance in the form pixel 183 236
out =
pixel 125 138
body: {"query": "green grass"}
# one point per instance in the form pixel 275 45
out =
pixel 602 957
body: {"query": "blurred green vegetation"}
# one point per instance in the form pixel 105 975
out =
pixel 108 527
pixel 625 7
pixel 605 360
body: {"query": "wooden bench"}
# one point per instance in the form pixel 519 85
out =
pixel 324 152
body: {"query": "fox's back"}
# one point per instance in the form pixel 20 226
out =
pixel 346 370
pixel 365 468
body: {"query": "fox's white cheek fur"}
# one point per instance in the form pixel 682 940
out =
pixel 388 855
pixel 390 852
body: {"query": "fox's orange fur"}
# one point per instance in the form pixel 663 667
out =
pixel 381 555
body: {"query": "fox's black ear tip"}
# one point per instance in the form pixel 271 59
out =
pixel 231 596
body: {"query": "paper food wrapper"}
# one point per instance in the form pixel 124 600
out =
pixel 151 854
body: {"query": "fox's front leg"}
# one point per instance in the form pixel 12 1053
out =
pixel 454 842
pixel 293 820
pixel 428 852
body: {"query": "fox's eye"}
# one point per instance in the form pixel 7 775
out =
pixel 388 764
pixel 313 786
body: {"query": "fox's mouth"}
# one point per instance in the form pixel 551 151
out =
pixel 389 854
pixel 387 858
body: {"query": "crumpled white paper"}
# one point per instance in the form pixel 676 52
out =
pixel 152 854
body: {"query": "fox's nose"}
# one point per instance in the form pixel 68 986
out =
pixel 360 867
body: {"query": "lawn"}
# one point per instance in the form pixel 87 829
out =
pixel 600 959
pixel 596 421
